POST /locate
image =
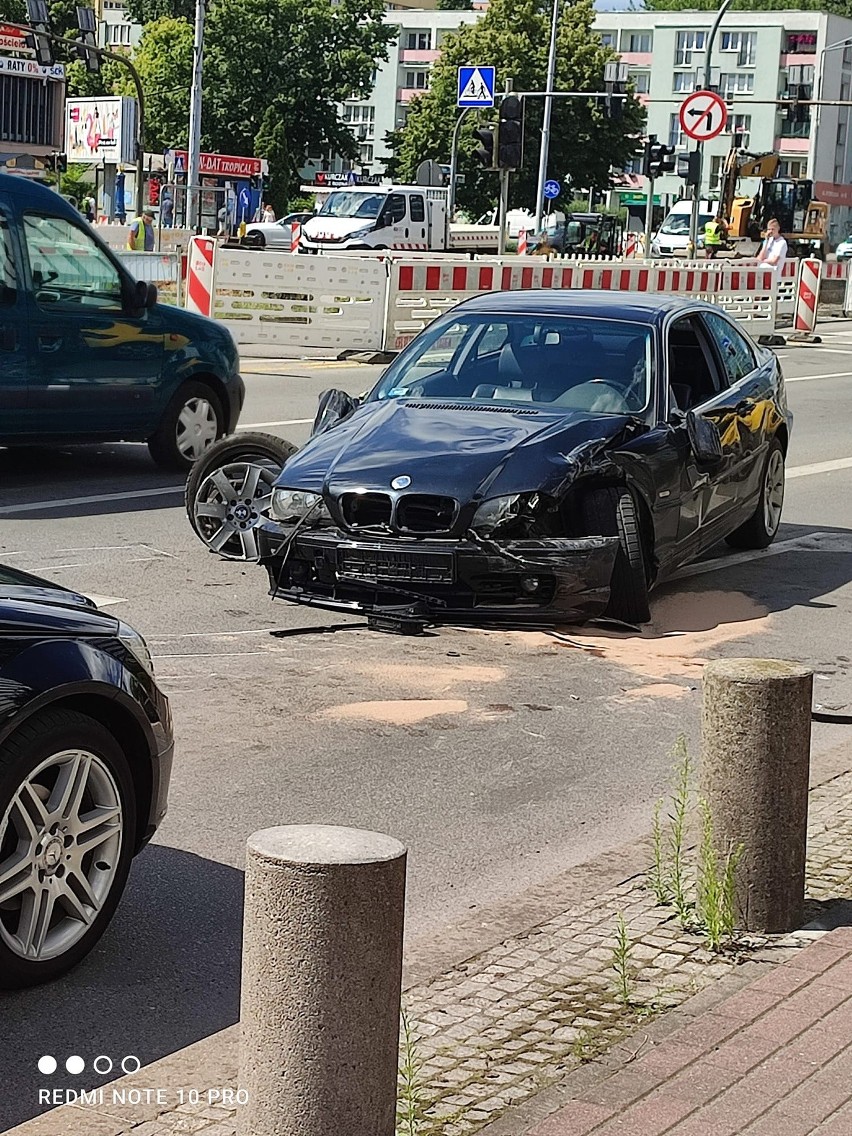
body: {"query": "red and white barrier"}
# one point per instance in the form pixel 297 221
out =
pixel 807 295
pixel 200 275
pixel 633 244
pixel 295 236
pixel 522 243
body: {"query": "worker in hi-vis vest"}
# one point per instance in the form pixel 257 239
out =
pixel 141 235
pixel 715 235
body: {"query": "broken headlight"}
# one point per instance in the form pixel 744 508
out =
pixel 296 504
pixel 492 514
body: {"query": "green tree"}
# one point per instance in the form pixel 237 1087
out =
pixel 164 62
pixel 275 70
pixel 146 12
pixel 514 36
pixel 455 5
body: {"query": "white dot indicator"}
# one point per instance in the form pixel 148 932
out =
pixel 47 1064
pixel 75 1065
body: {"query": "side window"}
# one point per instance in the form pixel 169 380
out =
pixel 734 348
pixel 68 268
pixel 8 275
pixel 418 209
pixel 495 336
pixel 693 371
pixel 395 208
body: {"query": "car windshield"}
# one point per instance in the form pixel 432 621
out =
pixel 557 362
pixel 353 204
pixel 678 223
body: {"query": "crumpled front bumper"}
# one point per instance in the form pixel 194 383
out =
pixel 519 582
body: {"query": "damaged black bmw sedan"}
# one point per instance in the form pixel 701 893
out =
pixel 530 458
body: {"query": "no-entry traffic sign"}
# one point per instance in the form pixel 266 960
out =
pixel 703 115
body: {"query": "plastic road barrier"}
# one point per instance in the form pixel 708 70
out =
pixel 807 295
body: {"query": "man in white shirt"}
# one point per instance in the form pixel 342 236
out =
pixel 773 251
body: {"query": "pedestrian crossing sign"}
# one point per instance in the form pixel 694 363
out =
pixel 180 164
pixel 476 87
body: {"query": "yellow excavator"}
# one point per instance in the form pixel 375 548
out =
pixel 803 220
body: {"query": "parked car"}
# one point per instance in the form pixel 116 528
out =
pixel 844 249
pixel 531 457
pixel 87 354
pixel 85 758
pixel 274 234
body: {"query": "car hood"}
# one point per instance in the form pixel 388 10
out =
pixel 18 585
pixel 31 604
pixel 320 227
pixel 449 448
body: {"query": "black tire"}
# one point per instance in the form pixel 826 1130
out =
pixel 53 732
pixel 164 445
pixel 611 511
pixel 255 240
pixel 264 450
pixel 759 530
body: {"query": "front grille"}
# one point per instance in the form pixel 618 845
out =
pixel 422 513
pixel 363 510
pixel 411 567
pixel 477 408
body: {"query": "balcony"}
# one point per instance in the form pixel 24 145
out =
pixel 793 143
pixel 406 94
pixel 637 58
pixel 418 55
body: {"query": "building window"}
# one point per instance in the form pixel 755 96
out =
pixel 847 56
pixel 801 43
pixel 797 76
pixel 641 80
pixel 365 153
pixel 743 43
pixel 842 131
pixel 417 80
pixel 741 124
pixel 119 34
pixel 686 43
pixel 636 42
pixel 684 82
pixel 844 91
pixel 676 135
pixel 790 168
pixel 736 83
pixel 418 41
pixel 717 163
pixel 608 39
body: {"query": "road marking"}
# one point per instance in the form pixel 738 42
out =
pixel 106 601
pixel 267 425
pixel 814 542
pixel 807 378
pixel 67 502
pixel 819 467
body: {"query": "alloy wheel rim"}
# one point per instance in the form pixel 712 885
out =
pixel 231 502
pixel 196 427
pixel 773 492
pixel 60 847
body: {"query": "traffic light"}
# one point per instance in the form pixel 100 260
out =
pixel 61 161
pixel 39 19
pixel 657 158
pixel 688 167
pixel 615 82
pixel 510 134
pixel 87 39
pixel 484 154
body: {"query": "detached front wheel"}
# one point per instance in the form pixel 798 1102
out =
pixel 611 511
pixel 229 492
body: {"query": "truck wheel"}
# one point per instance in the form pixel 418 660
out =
pixel 611 511
pixel 191 423
pixel 229 491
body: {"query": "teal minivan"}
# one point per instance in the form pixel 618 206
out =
pixel 86 352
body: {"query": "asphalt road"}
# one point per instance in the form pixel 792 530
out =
pixel 499 758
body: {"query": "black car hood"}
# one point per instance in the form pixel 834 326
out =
pixel 448 448
pixel 24 588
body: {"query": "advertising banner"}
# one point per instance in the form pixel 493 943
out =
pixel 100 131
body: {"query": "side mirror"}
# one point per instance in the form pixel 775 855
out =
pixel 703 439
pixel 334 407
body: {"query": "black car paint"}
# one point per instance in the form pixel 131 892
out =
pixel 485 452
pixel 58 650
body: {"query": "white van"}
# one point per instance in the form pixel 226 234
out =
pixel 672 237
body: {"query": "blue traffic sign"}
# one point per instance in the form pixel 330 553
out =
pixel 552 189
pixel 476 87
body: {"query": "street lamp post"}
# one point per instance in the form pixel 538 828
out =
pixel 193 161
pixel 696 201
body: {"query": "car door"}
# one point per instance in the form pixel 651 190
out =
pixel 14 331
pixel 95 369
pixel 394 221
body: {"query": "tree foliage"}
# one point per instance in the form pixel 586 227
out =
pixel 514 36
pixel 455 5
pixel 164 62
pixel 146 12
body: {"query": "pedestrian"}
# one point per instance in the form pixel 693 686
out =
pixel 89 208
pixel 268 214
pixel 167 209
pixel 223 221
pixel 773 251
pixel 715 235
pixel 141 235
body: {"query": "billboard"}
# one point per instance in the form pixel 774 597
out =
pixel 100 131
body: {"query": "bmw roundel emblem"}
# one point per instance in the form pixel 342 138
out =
pixel 401 482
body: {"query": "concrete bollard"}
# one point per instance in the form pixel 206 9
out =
pixel 322 976
pixel 754 775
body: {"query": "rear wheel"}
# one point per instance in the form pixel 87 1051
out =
pixel 191 423
pixel 67 835
pixel 229 491
pixel 611 511
pixel 760 529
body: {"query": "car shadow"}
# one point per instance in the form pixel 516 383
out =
pixel 165 974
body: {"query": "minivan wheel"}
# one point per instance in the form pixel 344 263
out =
pixel 760 529
pixel 67 834
pixel 229 491
pixel 192 422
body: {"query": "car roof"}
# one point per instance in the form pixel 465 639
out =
pixel 638 307
pixel 32 194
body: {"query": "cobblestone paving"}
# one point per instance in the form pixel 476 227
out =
pixel 516 1018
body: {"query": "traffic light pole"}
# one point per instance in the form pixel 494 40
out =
pixel 696 200
pixel 649 216
pixel 544 153
pixel 454 166
pixel 140 97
